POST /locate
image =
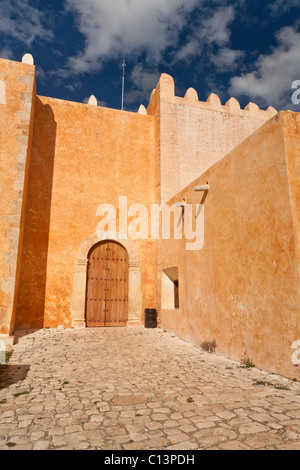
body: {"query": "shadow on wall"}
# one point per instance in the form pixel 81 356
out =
pixel 32 288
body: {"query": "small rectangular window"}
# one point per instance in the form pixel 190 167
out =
pixel 176 294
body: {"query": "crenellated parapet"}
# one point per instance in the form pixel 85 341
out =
pixel 166 91
pixel 194 135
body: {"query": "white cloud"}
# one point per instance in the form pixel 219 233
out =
pixel 282 6
pixel 127 28
pixel 211 31
pixel 192 48
pixel 270 83
pixel 144 81
pixel 226 59
pixel 216 29
pixel 19 20
pixel 7 53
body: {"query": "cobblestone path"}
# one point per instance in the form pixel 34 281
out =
pixel 134 388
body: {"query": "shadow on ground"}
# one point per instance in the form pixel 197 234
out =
pixel 11 374
pixel 19 334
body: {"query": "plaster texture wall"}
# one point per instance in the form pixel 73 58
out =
pixel 60 160
pixel 16 123
pixel 194 135
pixel 82 156
pixel 242 288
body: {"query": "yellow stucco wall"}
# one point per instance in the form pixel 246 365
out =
pixel 242 288
pixel 16 123
pixel 60 160
pixel 82 156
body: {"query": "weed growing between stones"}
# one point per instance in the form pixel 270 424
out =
pixel 209 346
pixel 247 363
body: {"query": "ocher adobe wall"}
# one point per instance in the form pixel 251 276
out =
pixel 17 97
pixel 242 288
pixel 194 135
pixel 82 156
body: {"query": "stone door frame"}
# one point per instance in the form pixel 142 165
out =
pixel 80 281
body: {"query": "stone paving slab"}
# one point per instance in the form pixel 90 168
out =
pixel 139 389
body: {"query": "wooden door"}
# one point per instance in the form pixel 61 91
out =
pixel 107 286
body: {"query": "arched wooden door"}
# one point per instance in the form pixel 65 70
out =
pixel 107 286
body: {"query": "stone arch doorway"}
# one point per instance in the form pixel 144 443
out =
pixel 107 285
pixel 78 303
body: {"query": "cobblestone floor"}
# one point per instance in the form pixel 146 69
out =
pixel 132 389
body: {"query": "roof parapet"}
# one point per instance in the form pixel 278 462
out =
pixel 272 111
pixel 93 101
pixel 142 110
pixel 233 105
pixel 166 86
pixel 252 107
pixel 191 95
pixel 214 100
pixel 165 91
pixel 28 59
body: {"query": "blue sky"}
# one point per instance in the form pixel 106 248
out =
pixel 249 49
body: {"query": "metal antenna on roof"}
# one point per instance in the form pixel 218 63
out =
pixel 123 83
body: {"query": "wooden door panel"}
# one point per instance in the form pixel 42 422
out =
pixel 96 287
pixel 117 301
pixel 107 289
pixel 109 300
